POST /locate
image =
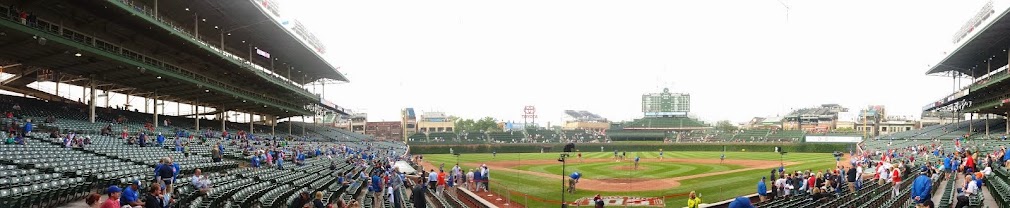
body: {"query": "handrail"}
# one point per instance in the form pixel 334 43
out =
pixel 144 12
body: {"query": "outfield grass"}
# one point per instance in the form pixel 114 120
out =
pixel 712 188
pixel 608 170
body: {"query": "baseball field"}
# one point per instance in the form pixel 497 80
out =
pixel 535 179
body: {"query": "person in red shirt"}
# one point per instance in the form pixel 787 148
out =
pixel 441 182
pixel 969 162
pixel 896 177
pixel 113 201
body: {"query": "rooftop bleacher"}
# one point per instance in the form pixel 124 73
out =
pixel 665 123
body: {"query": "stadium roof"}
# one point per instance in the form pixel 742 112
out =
pixel 584 115
pixel 124 53
pixel 982 44
pixel 245 21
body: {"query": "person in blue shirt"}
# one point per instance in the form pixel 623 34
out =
pixel 1006 154
pixel 636 162
pixel 178 144
pixel 946 163
pixel 28 126
pixel 301 159
pixel 130 195
pixel 572 180
pixel 921 188
pixel 741 202
pixel 161 139
pixel 376 188
pixel 762 189
pixel 280 160
pixel 256 161
pixel 953 164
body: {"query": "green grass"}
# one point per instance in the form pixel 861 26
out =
pixel 713 188
pixel 653 170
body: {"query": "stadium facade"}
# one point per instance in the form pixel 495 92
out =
pixel 198 53
pixel 979 54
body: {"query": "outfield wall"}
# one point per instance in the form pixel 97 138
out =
pixel 610 147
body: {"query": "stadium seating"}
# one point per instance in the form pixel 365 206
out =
pixel 44 173
pixel 665 122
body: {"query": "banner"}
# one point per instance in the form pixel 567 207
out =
pixel 833 139
pixel 262 53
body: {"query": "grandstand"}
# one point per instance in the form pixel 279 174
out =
pixel 96 47
pixel 817 119
pixel 666 123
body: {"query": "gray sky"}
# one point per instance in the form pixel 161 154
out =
pixel 738 59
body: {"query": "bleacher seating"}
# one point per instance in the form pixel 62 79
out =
pixel 45 173
pixel 665 122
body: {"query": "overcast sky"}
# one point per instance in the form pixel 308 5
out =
pixel 737 59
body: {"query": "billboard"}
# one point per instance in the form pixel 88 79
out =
pixel 666 103
pixel 834 139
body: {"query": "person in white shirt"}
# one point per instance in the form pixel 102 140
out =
pixel 780 185
pixel 884 175
pixel 469 180
pixel 970 186
pixel 389 194
pixel 987 171
pixel 200 182
pixel 859 175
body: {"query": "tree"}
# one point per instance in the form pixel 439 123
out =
pixel 486 124
pixel 725 126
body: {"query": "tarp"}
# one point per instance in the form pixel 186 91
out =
pixel 404 167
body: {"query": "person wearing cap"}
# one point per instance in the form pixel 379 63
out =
pixel 130 196
pixel 920 188
pixel 160 139
pixel 113 200
pixel 762 189
pixel 573 179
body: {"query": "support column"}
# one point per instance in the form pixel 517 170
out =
pixel 273 126
pixel 251 123
pixel 146 105
pixel 196 116
pixel 91 105
pixel 58 86
pixel 107 96
pixel 303 126
pixel 155 99
pixel 224 119
pixel 987 126
pixel 289 126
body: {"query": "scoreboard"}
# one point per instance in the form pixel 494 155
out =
pixel 666 104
